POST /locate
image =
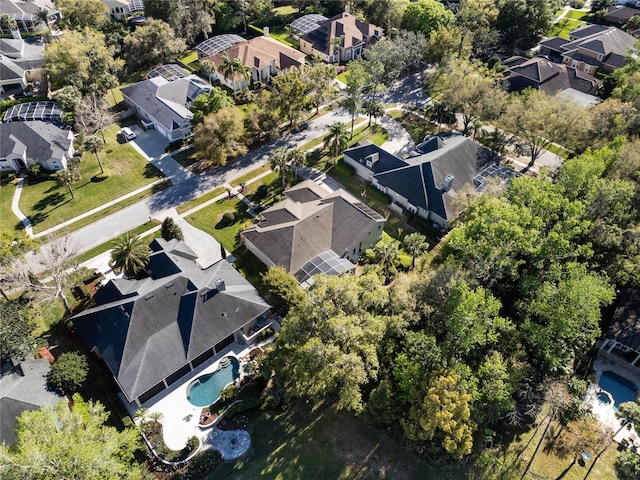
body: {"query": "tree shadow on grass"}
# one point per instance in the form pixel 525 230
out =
pixel 49 200
pixel 151 172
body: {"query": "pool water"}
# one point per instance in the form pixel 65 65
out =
pixel 205 390
pixel 621 389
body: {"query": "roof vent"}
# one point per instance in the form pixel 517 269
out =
pixel 220 285
pixel 448 181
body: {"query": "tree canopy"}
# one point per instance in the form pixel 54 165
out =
pixel 153 43
pixel 426 16
pixel 72 443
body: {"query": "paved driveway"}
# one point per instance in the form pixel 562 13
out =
pixel 151 145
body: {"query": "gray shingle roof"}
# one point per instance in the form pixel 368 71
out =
pixel 166 101
pixel 145 330
pixel 42 140
pixel 309 222
pixel 420 179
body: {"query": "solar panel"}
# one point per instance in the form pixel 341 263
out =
pixel 217 44
pixel 169 72
pixel 33 111
pixel 307 23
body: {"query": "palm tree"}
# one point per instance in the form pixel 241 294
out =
pixel 67 177
pixel 279 161
pixel 141 415
pixel 129 254
pixel 231 67
pixel 337 139
pixel 628 413
pixel 387 256
pixel 416 244
pixel 296 158
pixel 373 108
pixel 95 144
pixel 43 16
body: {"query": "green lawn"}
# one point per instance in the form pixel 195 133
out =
pixel 47 204
pixel 185 158
pixel 305 443
pixel 343 76
pixel 281 34
pixel 248 176
pixel 185 207
pixel 417 127
pixel 8 220
pixel 575 14
pixel 564 26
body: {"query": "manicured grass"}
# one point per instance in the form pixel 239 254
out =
pixel 248 176
pixel 47 204
pixel 190 56
pixel 285 10
pixel 564 26
pixel 304 443
pixel 185 207
pixel 8 221
pixel 281 34
pixel 208 219
pixel 575 14
pixel 111 209
pixel 417 127
pixel 95 251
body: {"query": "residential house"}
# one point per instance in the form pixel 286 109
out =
pixel 23 143
pixel 340 38
pixel 591 48
pixel 154 331
pixel 264 56
pixel 313 230
pixel 427 184
pixel 163 100
pixel 618 15
pixel 25 14
pixel 24 388
pixel 544 75
pixel 21 63
pixel 621 342
pixel 123 9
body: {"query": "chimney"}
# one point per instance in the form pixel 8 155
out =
pixel 448 181
pixel 265 31
pixel 347 9
pixel 220 286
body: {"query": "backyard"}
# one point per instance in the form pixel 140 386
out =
pixel 7 220
pixel 322 442
pixel 48 204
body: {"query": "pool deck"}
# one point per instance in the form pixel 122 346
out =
pixel 605 412
pixel 180 419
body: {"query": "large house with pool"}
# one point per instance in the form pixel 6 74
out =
pixel 154 331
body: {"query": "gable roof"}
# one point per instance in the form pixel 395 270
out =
pixel 166 100
pixel 10 71
pixel 42 140
pixel 260 52
pixel 24 389
pixel 308 222
pixel 352 30
pixel 420 179
pixel 147 329
pixel 621 15
pixel 549 77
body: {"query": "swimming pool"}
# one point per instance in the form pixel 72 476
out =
pixel 621 389
pixel 205 390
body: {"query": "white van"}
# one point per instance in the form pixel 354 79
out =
pixel 127 133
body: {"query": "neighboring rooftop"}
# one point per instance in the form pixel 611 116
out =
pixel 24 389
pixel 219 43
pixel 625 324
pixel 350 30
pixel 42 140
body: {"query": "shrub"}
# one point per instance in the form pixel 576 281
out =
pixel 228 393
pixel 34 170
pixel 69 372
pixel 228 218
pixel 577 4
pixel 171 230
